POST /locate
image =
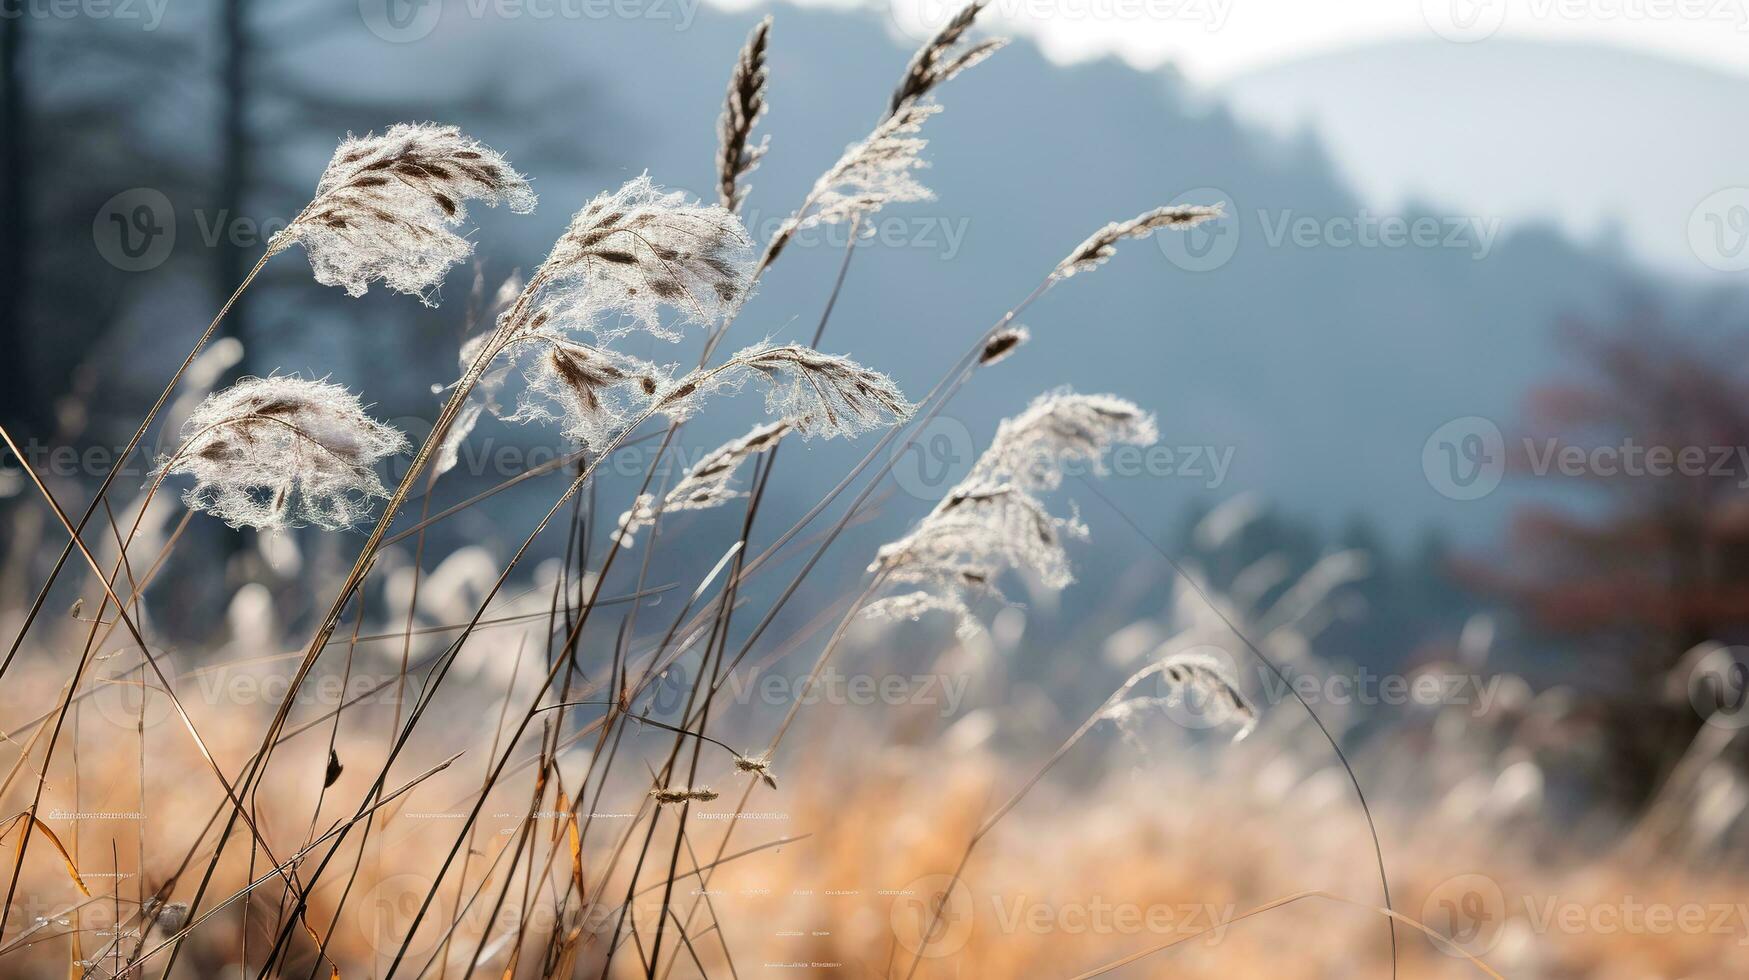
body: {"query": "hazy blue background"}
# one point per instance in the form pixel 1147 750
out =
pixel 1569 173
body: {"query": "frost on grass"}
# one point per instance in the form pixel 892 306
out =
pixel 944 56
pixel 626 256
pixel 875 172
pixel 1102 244
pixel 630 252
pixel 283 452
pixel 1200 690
pixel 591 392
pixel 386 208
pixel 814 393
pixel 991 523
pixel 706 485
pixel 1061 429
pixel 737 154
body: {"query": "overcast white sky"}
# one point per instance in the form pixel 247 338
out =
pixel 1213 40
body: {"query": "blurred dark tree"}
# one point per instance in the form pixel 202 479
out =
pixel 15 175
pixel 1642 550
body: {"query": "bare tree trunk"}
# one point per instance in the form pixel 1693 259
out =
pixel 16 394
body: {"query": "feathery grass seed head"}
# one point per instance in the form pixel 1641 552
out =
pixel 737 154
pixel 706 484
pixel 386 205
pixel 283 452
pixel 1003 343
pixel 756 764
pixel 942 57
pixel 1101 245
pixel 637 249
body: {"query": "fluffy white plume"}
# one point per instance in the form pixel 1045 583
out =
pixel 875 172
pixel 1202 684
pixel 815 393
pixel 386 207
pixel 707 484
pixel 637 249
pixel 591 392
pixel 991 523
pixel 283 452
pixel 1058 430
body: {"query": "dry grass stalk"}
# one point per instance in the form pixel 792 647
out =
pixel 756 764
pixel 706 484
pixel 665 796
pixel 737 154
pixel 1101 244
pixel 942 57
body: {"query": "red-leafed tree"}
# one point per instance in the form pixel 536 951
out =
pixel 1640 548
